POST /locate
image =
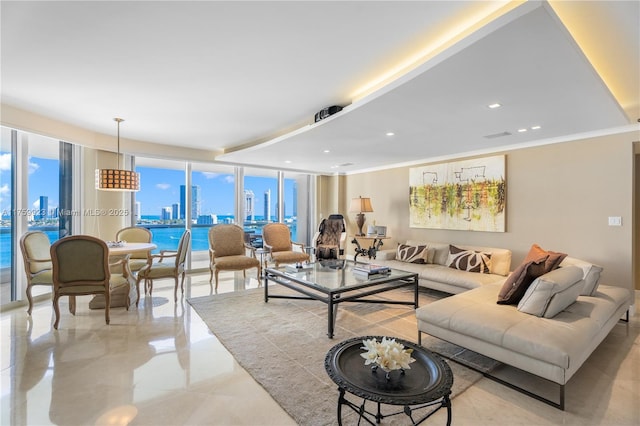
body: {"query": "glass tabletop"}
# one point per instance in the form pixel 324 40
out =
pixel 336 274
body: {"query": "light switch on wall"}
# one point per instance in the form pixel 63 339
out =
pixel 615 221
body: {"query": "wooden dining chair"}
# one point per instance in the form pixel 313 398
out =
pixel 136 234
pixel 35 247
pixel 166 264
pixel 80 267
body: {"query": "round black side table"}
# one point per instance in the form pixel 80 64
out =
pixel 427 384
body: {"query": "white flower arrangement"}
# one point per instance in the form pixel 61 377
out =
pixel 387 354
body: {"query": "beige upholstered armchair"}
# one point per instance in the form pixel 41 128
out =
pixel 276 238
pixel 228 251
pixel 35 247
pixel 136 234
pixel 81 267
pixel 167 264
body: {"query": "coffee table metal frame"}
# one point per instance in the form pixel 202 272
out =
pixel 357 293
pixel 430 389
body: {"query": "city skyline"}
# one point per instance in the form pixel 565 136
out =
pixel 160 188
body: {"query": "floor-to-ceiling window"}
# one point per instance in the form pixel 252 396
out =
pixel 300 189
pixel 43 198
pixel 166 206
pixel 260 201
pixel 160 203
pixel 6 226
pixel 213 195
pixel 30 200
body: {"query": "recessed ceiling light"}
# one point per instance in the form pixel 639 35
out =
pixel 535 127
pixel 494 105
pixel 326 151
pixel 287 161
pixel 390 133
pixel 522 130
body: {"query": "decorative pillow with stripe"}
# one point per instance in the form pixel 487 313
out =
pixel 412 254
pixel 469 260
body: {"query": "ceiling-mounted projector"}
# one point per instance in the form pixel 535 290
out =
pixel 326 112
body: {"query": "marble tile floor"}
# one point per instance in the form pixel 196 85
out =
pixel 160 365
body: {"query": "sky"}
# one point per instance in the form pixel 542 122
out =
pixel 159 188
pixel 43 180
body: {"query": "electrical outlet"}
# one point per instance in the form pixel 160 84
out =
pixel 615 221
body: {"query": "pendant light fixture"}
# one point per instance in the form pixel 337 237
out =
pixel 117 179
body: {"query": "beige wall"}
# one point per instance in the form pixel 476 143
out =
pixel 329 192
pixel 636 216
pixel 558 196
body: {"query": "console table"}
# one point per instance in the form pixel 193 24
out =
pixel 426 385
pixel 376 243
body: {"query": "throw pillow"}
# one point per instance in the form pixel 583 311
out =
pixel 412 254
pixel 519 280
pixel 469 260
pixel 552 292
pixel 553 259
pixel 591 274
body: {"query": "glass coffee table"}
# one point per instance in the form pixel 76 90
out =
pixel 334 282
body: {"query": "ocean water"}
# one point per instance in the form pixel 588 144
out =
pixel 165 237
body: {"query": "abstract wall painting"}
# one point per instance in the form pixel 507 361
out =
pixel 465 195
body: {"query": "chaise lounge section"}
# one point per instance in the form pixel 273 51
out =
pixel 549 345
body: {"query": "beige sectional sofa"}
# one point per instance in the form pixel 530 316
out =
pixel 531 335
pixel 436 273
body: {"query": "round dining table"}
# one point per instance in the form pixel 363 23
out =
pixel 125 297
pixel 128 248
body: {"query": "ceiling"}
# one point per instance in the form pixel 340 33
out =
pixel 244 79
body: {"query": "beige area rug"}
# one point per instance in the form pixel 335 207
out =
pixel 283 344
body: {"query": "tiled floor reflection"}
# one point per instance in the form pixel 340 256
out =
pixel 157 365
pixel 160 365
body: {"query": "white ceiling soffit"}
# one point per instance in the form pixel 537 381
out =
pixel 206 74
pixel 530 65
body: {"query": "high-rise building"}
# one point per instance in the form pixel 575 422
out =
pixel 207 219
pixel 44 207
pixel 267 205
pixel 249 206
pixel 183 197
pixel 166 213
pixel 175 211
pixel 295 199
pixel 195 201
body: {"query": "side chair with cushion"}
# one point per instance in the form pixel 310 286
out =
pixel 136 234
pixel 35 247
pixel 228 251
pixel 277 242
pixel 80 267
pixel 166 264
pixel 330 240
